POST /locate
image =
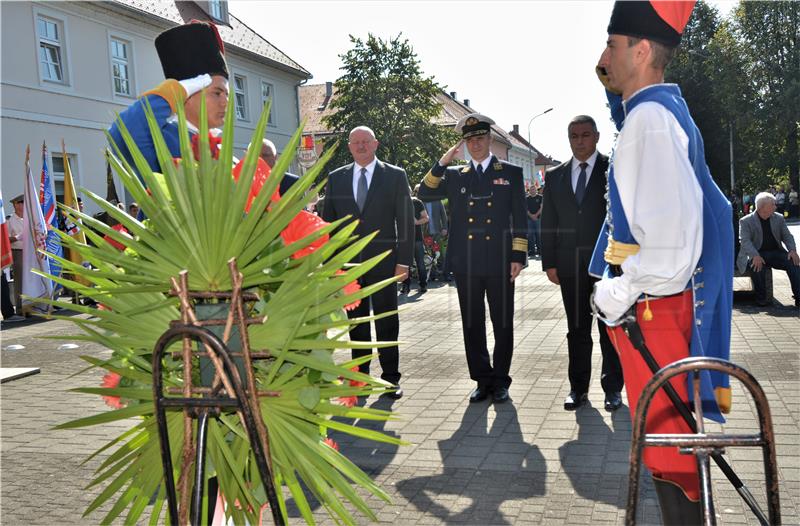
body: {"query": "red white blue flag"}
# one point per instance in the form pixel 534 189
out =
pixel 47 199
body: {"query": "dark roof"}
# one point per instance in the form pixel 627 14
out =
pixel 238 35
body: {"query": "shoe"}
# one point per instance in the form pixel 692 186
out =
pixel 397 394
pixel 14 319
pixel 479 395
pixel 574 400
pixel 423 289
pixel 405 289
pixel 500 395
pixel 613 401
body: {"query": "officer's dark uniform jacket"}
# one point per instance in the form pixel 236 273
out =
pixel 488 226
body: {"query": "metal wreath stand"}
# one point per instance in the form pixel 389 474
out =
pixel 229 393
pixel 705 445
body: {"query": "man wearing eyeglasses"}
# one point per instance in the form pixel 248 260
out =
pixel 488 246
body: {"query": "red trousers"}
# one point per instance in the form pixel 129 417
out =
pixel 667 336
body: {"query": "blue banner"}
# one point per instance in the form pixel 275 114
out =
pixel 47 199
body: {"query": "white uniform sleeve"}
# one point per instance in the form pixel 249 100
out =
pixel 663 203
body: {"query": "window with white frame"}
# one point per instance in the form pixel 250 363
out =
pixel 267 91
pixel 58 173
pixel 218 9
pixel 121 66
pixel 240 96
pixel 51 48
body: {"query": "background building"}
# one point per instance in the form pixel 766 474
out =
pixel 69 67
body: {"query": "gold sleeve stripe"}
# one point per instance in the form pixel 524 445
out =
pixel 431 181
pixel 520 243
pixel 617 252
pixel 723 395
pixel 171 91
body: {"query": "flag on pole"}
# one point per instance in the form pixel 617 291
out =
pixel 34 235
pixel 73 228
pixel 5 242
pixel 47 198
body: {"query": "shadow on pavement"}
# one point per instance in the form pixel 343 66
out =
pixel 483 467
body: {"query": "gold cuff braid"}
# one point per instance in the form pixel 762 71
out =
pixel 431 181
pixel 520 243
pixel 617 252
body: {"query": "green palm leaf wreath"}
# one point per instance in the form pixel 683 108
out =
pixel 195 222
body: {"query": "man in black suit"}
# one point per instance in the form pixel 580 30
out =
pixel 376 194
pixel 487 248
pixel 573 212
pixel 270 155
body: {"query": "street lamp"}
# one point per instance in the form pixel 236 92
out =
pixel 530 146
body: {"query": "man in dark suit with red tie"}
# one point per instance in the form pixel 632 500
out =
pixel 573 212
pixel 377 195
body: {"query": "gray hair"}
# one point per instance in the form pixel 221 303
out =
pixel 271 145
pixel 763 197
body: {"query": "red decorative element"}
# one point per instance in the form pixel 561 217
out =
pixel 348 401
pixel 216 31
pixel 427 241
pixel 350 288
pixel 213 144
pixel 675 13
pixel 304 224
pixel 308 142
pixel 331 442
pixel 114 243
pixel 259 178
pixel 111 380
pixel 356 383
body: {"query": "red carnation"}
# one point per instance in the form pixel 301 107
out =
pixel 350 288
pixel 427 241
pixel 331 442
pixel 304 224
pixel 348 401
pixel 111 380
pixel 356 383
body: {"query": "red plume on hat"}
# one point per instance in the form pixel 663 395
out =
pixel 662 21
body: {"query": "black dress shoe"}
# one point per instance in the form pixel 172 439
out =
pixel 423 289
pixel 500 395
pixel 479 395
pixel 613 401
pixel 397 394
pixel 574 400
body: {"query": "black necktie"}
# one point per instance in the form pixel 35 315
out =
pixel 361 192
pixel 580 188
pixel 479 169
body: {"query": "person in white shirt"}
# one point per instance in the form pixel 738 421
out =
pixel 15 230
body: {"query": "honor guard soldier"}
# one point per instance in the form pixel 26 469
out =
pixel 487 248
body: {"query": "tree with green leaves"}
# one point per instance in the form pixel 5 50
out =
pixel 384 88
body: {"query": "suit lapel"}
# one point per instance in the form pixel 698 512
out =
pixel 598 176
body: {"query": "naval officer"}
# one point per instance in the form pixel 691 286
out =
pixel 487 248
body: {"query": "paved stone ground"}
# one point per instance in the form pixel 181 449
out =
pixel 525 462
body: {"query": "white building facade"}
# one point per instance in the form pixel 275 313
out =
pixel 69 67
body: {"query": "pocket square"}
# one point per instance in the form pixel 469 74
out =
pixel 501 181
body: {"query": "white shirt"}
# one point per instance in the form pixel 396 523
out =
pixel 357 174
pixel 16 225
pixel 484 163
pixel 663 204
pixel 576 170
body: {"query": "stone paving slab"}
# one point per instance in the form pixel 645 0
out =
pixel 525 462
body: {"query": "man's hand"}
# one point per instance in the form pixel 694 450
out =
pixel 401 272
pixel 516 268
pixel 794 258
pixel 758 263
pixel 447 158
pixel 552 275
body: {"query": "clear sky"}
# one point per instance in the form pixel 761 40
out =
pixel 511 59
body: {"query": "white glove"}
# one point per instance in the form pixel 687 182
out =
pixel 195 84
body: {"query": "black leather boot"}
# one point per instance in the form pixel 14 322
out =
pixel 676 508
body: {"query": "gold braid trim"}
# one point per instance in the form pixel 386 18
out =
pixel 617 252
pixel 431 181
pixel 171 91
pixel 520 243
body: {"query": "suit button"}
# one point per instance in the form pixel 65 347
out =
pixel 488 220
pixel 471 220
pixel 469 236
pixel 471 203
pixel 489 204
pixel 488 238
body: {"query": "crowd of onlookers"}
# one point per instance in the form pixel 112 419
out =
pixel 787 201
